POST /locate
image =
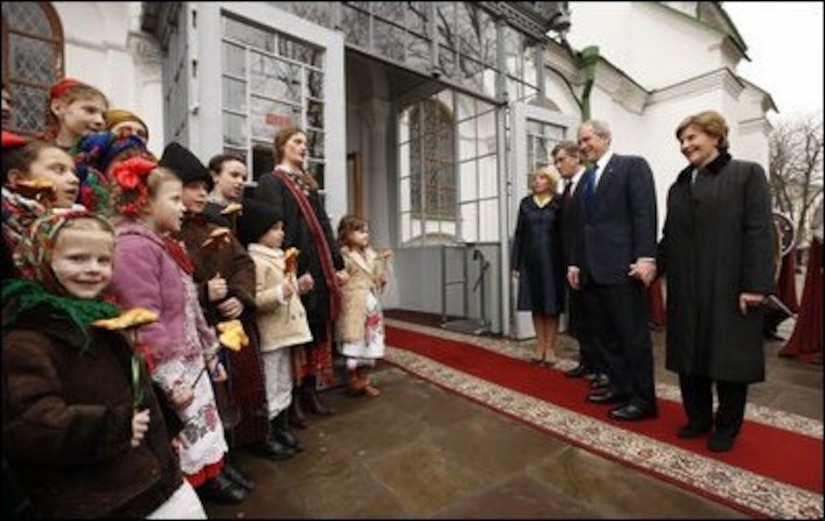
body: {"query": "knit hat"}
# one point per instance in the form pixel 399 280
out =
pixel 114 117
pixel 255 220
pixel 185 165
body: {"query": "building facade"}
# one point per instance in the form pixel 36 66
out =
pixel 425 117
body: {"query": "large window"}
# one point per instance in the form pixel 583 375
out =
pixel 32 60
pixel 270 81
pixel 448 171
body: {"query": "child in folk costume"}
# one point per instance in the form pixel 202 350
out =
pixel 82 425
pixel 36 177
pixel 360 327
pixel 282 319
pixel 75 110
pixel 225 277
pixel 153 271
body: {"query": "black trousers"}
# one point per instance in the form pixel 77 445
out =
pixel 579 328
pixel 697 400
pixel 617 315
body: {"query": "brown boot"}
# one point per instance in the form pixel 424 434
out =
pixel 355 385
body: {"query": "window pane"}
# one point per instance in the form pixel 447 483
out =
pixel 404 127
pixel 315 114
pixel 404 160
pixel 315 143
pixel 356 26
pixel 317 169
pixel 512 52
pixel 488 220
pixel 275 78
pixel 468 190
pixel 318 12
pixel 418 14
pixel 234 129
pixel 26 17
pixel 530 73
pixel 234 94
pixel 300 51
pixel 315 84
pixel 268 117
pixel 446 61
pixel 405 194
pixel 466 106
pixel 469 222
pixel 248 34
pixel 391 11
pixel 33 60
pixel 487 133
pixel 445 24
pixel 388 40
pixel 472 74
pixel 487 178
pixel 29 105
pixel 418 53
pixel 234 60
pixel 466 139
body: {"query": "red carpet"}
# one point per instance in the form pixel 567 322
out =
pixel 779 454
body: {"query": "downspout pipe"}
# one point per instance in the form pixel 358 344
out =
pixel 589 59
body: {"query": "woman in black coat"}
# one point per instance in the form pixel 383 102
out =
pixel 717 253
pixel 294 194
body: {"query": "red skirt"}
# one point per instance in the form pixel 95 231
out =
pixel 806 341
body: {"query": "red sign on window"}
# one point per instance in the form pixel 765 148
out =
pixel 278 120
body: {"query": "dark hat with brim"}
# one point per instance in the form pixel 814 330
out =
pixel 183 163
pixel 255 219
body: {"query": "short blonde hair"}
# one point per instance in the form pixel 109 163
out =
pixel 550 173
pixel 711 123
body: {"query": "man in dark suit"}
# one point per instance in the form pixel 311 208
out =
pixel 566 159
pixel 612 261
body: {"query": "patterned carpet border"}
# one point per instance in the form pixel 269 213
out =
pixel 741 489
pixel 514 349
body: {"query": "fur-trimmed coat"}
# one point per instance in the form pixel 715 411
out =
pixel 281 322
pixel 67 423
pixel 364 276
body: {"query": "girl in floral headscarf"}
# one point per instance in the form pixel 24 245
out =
pixel 82 427
pixel 156 274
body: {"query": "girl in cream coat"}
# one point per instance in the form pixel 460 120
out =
pixel 360 326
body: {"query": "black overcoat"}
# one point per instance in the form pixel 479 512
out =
pixel 716 245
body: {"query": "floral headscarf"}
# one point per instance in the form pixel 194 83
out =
pixel 39 285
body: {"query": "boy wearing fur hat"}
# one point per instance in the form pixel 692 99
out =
pixel 282 319
pixel 225 278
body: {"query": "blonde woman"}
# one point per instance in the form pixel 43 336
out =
pixel 537 261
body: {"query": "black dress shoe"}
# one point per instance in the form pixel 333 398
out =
pixel 721 442
pixel 600 381
pixel 272 449
pixel 632 412
pixel 222 490
pixel 606 398
pixel 577 372
pixel 238 477
pixel 692 430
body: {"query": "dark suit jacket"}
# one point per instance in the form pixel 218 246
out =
pixel 621 227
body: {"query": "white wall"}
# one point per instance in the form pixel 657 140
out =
pixel 652 44
pixel 105 48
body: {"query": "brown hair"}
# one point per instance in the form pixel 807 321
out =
pixel 279 144
pixel 348 224
pixel 75 92
pixel 571 147
pixel 711 123
pixel 21 158
pixel 217 161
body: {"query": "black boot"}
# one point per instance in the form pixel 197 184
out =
pixel 272 449
pixel 281 432
pixel 311 400
pixel 297 418
pixel 221 489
